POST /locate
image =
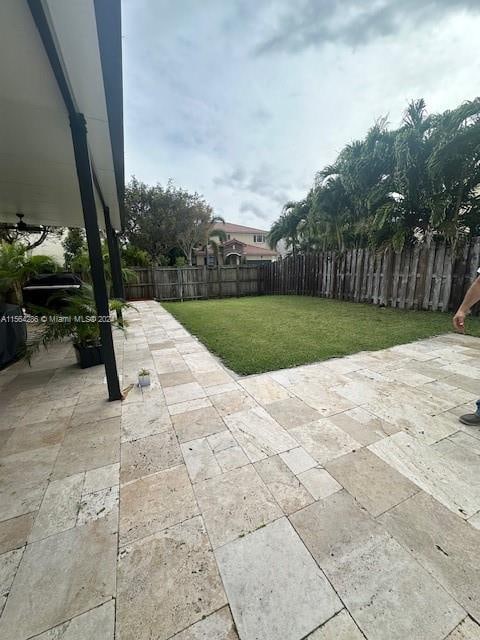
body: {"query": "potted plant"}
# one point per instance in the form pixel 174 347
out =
pixel 80 265
pixel 76 321
pixel 16 266
pixel 143 378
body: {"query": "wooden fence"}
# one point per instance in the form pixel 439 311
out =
pixel 191 283
pixel 433 278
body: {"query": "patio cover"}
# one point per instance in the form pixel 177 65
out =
pixel 61 130
pixel 38 175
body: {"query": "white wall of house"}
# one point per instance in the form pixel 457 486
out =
pixel 52 247
pixel 255 239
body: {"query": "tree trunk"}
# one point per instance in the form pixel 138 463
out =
pixel 16 294
pixel 38 242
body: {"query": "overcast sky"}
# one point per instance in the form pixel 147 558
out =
pixel 244 101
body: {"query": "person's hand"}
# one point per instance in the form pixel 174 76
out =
pixel 459 321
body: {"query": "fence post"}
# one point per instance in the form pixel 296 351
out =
pixel 237 282
pixel 151 278
pixel 428 277
pixel 219 276
pixel 457 289
pixel 447 277
pixel 420 276
pixel 180 283
pixel 205 280
pixel 387 277
pixel 334 275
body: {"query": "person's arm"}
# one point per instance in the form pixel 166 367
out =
pixel 471 297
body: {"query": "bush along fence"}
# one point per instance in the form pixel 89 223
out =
pixel 190 283
pixel 432 278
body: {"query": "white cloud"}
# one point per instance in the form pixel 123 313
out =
pixel 246 129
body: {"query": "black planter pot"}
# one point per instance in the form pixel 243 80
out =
pixel 88 356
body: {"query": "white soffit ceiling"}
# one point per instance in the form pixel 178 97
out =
pixel 37 166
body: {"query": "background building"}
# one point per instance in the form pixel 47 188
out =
pixel 242 245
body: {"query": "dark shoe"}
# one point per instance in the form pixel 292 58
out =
pixel 471 419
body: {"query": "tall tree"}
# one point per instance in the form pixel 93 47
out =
pixel 290 226
pixel 213 237
pixel 163 219
pixel 150 217
pixel 406 186
pixel 193 223
pixel 73 245
pixel 454 170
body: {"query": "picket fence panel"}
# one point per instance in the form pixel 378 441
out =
pixel 432 278
pixel 192 283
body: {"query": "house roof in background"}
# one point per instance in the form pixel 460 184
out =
pixel 251 250
pixel 230 227
pixel 247 249
pixel 227 243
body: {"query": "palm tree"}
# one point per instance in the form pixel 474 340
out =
pixel 454 170
pixel 330 216
pixel 213 237
pixel 276 233
pixel 16 267
pixel 290 225
pixel 80 265
pixel 355 185
pixel 418 182
pixel 411 205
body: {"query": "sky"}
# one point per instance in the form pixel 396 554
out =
pixel 244 101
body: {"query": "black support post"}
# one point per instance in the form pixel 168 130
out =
pixel 114 254
pixel 85 183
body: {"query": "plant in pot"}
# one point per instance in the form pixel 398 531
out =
pixel 78 321
pixel 16 266
pixel 143 378
pixel 80 265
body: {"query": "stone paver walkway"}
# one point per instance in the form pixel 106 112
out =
pixel 334 501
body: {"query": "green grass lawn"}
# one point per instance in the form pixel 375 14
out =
pixel 265 333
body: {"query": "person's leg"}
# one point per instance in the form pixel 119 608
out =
pixel 472 419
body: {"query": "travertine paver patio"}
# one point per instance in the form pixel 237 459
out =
pixel 339 500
